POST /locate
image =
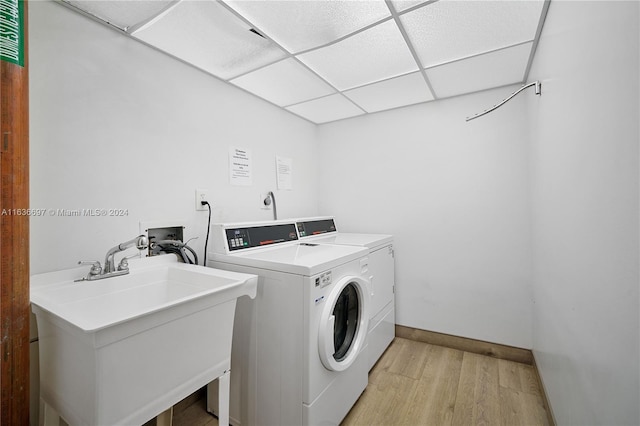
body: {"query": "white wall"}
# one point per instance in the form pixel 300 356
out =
pixel 455 197
pixel 585 212
pixel 117 124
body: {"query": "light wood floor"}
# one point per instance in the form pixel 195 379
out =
pixel 417 383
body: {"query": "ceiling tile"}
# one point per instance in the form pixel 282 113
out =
pixel 284 83
pixel 401 5
pixel 400 91
pixel 494 69
pixel 464 45
pixel 122 14
pixel 210 37
pixel 448 30
pixel 329 108
pixel 372 55
pixel 301 25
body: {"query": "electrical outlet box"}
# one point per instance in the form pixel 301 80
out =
pixel 201 195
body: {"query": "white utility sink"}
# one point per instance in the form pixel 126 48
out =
pixel 120 350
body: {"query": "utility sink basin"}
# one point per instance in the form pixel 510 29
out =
pixel 120 350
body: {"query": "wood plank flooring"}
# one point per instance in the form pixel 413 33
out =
pixel 417 383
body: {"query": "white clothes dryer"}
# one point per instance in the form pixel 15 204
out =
pixel 322 230
pixel 299 348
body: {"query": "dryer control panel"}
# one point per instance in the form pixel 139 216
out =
pixel 315 227
pixel 259 236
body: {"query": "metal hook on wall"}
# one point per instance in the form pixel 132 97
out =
pixel 268 201
pixel 538 91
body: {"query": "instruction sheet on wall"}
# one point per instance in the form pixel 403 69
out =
pixel 240 166
pixel 284 172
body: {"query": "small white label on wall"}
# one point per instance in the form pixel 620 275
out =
pixel 284 172
pixel 240 166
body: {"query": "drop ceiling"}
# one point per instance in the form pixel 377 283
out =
pixel 327 60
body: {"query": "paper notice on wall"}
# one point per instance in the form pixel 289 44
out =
pixel 240 167
pixel 284 172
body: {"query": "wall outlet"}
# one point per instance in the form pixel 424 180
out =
pixel 201 195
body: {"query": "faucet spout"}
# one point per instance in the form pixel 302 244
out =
pixel 141 242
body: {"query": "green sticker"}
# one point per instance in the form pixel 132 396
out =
pixel 12 31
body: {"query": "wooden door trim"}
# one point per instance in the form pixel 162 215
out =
pixel 14 237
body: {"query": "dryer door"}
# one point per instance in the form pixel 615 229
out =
pixel 344 322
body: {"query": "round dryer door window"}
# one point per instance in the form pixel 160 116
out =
pixel 344 322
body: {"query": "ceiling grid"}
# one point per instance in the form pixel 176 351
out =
pixel 327 60
pixel 396 18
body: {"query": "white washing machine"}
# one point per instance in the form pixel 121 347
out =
pixel 322 230
pixel 299 347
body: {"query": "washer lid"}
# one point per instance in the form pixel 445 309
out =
pixel 363 240
pixel 302 259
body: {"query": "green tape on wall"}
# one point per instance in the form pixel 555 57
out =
pixel 12 31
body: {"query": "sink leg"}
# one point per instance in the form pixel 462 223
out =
pixel 165 418
pixel 49 416
pixel 224 389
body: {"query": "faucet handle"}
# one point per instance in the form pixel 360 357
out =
pixel 124 262
pixel 96 268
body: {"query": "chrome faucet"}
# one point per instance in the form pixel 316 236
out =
pixel 97 272
pixel 141 242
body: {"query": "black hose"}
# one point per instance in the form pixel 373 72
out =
pixel 206 241
pixel 193 252
pixel 175 250
pixel 177 247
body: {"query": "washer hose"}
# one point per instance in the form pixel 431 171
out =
pixel 176 247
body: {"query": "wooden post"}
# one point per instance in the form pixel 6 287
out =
pixel 14 214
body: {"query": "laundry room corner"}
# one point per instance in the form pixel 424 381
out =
pixel 455 195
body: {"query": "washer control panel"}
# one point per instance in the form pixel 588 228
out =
pixel 315 227
pixel 258 236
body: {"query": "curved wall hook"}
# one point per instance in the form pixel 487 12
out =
pixel 538 90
